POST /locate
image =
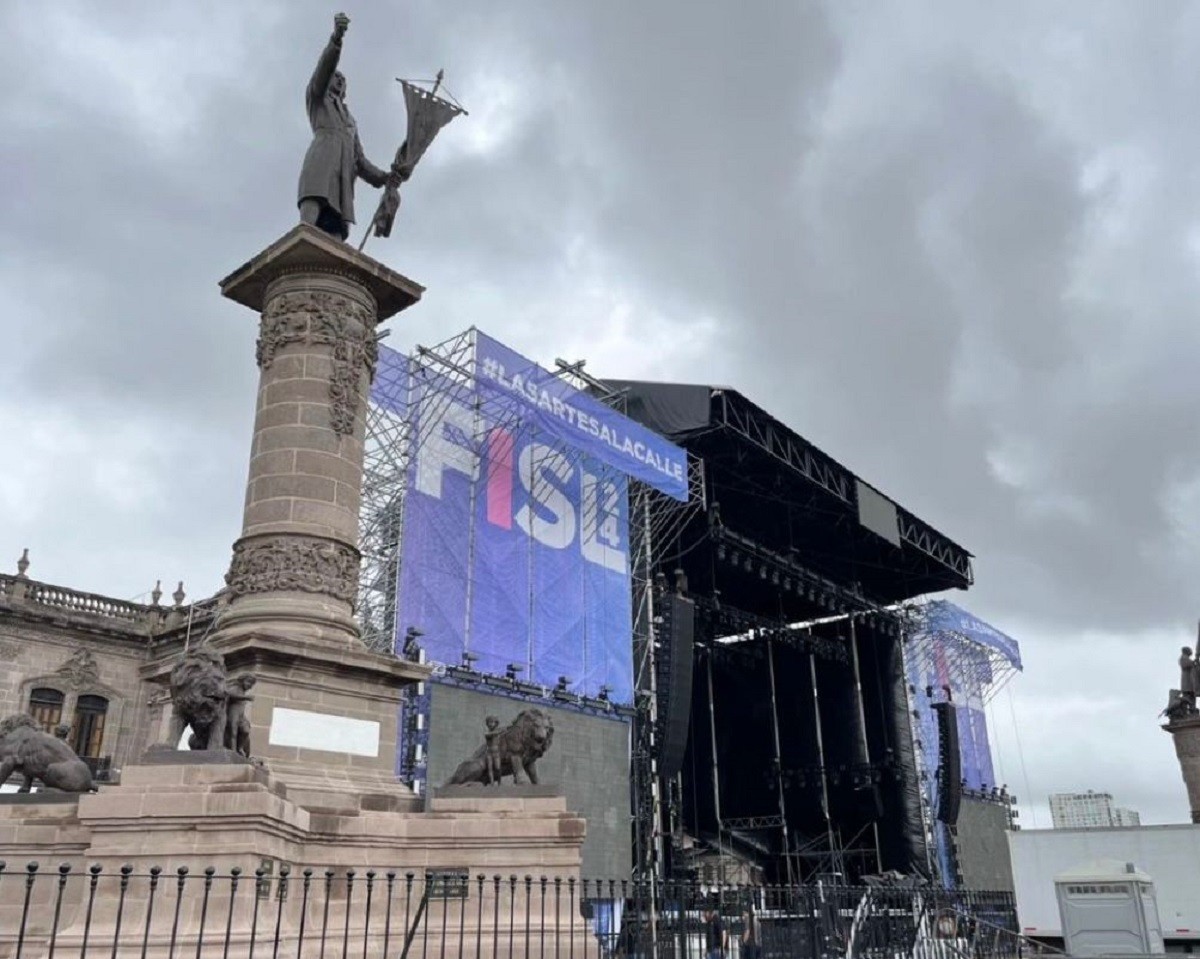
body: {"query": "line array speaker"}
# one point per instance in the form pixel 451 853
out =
pixel 949 774
pixel 675 681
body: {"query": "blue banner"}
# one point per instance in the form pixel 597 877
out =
pixel 580 421
pixel 514 544
pixel 943 616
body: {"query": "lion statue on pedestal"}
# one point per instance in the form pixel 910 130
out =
pixel 199 698
pixel 40 757
pixel 516 750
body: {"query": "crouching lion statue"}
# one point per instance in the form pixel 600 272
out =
pixel 38 756
pixel 519 745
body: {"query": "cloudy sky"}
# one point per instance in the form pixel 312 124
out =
pixel 954 244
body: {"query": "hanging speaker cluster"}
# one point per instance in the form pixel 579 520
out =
pixel 949 774
pixel 676 638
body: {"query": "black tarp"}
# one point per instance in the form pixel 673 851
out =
pixel 910 785
pixel 667 408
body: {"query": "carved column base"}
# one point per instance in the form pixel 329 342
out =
pixel 292 584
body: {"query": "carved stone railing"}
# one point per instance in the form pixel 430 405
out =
pixel 72 601
pixel 148 620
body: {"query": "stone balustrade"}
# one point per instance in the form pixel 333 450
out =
pixel 145 619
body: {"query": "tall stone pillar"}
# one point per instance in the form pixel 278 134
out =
pixel 1186 734
pixel 325 708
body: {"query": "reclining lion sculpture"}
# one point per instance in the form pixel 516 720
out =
pixel 519 745
pixel 40 757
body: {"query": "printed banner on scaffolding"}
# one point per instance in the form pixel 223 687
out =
pixel 515 543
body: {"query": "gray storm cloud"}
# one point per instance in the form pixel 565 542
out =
pixel 956 246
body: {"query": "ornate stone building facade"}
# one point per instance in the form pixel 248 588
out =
pixel 78 663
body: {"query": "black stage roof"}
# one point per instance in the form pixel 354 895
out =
pixel 780 494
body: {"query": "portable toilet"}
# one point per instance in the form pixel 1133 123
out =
pixel 1108 908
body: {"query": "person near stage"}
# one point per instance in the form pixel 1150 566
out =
pixel 716 935
pixel 751 948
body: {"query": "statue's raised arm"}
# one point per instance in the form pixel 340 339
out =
pixel 327 65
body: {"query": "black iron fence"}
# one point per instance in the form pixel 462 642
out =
pixel 111 912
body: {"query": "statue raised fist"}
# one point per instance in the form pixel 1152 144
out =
pixel 340 23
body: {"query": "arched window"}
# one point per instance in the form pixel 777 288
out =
pixel 88 735
pixel 45 706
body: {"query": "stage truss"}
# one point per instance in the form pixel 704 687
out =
pixel 979 669
pixel 964 662
pixel 391 442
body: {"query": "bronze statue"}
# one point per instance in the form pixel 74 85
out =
pixel 237 723
pixel 1187 676
pixel 199 698
pixel 335 156
pixel 26 749
pixel 491 741
pixel 206 700
pixel 519 746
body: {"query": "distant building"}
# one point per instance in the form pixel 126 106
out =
pixel 1126 817
pixel 1089 810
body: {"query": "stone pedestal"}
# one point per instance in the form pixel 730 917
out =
pixel 356 875
pixel 1186 734
pixel 324 712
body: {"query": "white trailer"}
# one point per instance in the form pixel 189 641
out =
pixel 1169 855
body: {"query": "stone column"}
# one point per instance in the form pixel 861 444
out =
pixel 295 566
pixel 324 712
pixel 1186 734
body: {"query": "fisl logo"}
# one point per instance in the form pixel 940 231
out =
pixel 529 486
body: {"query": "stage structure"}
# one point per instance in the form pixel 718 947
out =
pixel 955 664
pixel 800 758
pixel 507 520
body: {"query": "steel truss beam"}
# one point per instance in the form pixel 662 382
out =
pixel 752 823
pixel 779 442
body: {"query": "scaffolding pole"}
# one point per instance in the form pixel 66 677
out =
pixel 787 849
pixel 716 776
pixel 863 746
pixel 816 702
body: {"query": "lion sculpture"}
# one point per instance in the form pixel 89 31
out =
pixel 38 756
pixel 519 745
pixel 199 698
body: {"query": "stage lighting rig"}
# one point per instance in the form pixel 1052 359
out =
pixel 561 691
pixel 511 671
pixel 605 692
pixel 468 658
